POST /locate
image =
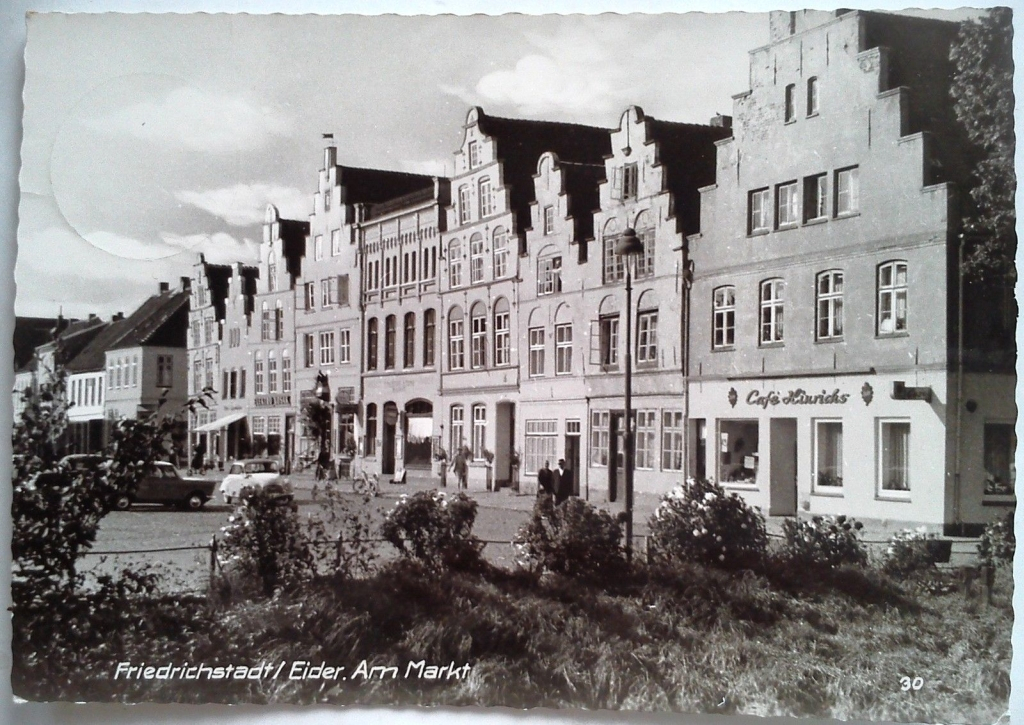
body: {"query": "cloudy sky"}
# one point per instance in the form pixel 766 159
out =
pixel 149 138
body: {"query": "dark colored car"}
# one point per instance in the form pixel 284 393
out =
pixel 165 485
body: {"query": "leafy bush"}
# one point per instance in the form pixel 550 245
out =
pixel 264 538
pixel 909 551
pixel 827 541
pixel 702 523
pixel 434 528
pixel 573 539
pixel 998 542
pixel 341 535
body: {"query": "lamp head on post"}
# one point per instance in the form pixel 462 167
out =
pixel 629 244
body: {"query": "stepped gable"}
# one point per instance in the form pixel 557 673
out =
pixel 687 153
pixel 520 143
pixel 218 277
pixel 293 235
pixel 147 323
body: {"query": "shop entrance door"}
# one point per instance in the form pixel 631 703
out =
pixel 782 439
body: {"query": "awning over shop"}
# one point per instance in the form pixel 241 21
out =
pixel 220 423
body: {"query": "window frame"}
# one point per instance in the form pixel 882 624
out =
pixel 409 340
pixel 476 258
pixel 787 198
pixel 812 97
pixel 892 291
pixel 672 432
pixel 549 219
pixel 999 496
pixel 829 299
pixel 344 346
pixel 852 192
pixel 502 338
pixel 485 197
pixel 478 337
pixel 479 439
pixel 500 247
pixel 390 342
pixel 563 348
pixel 759 214
pixel 455 263
pixel 549 275
pixel 465 199
pixel 723 318
pixel 817 487
pixel 327 352
pixel 372 343
pixel 774 305
pixel 429 337
pixel 456 342
pixel 647 337
pixel 881 492
pixel 789 103
pixel 537 344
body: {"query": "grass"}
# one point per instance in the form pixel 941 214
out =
pixel 829 644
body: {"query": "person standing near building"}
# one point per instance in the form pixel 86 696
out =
pixel 563 482
pixel 461 469
pixel 546 480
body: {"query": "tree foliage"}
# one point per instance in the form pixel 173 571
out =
pixel 56 510
pixel 316 417
pixel 982 93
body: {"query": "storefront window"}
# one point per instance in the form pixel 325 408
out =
pixel 894 458
pixel 738 451
pixel 828 455
pixel 1000 446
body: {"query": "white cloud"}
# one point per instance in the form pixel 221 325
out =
pixel 430 167
pixel 219 248
pixel 243 205
pixel 198 120
pixel 128 247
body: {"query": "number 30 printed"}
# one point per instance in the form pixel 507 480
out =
pixel 907 684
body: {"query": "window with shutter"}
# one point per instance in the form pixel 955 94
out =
pixel 343 289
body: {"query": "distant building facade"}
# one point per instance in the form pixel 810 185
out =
pixel 795 326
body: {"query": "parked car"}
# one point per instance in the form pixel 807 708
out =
pixel 163 484
pixel 262 473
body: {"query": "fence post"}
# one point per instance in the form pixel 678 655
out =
pixel 213 559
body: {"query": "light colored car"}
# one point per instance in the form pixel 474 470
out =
pixel 261 473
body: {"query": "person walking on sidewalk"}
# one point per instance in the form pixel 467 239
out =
pixel 461 468
pixel 563 482
pixel 546 481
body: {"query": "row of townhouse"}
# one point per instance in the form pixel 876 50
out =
pixel 132 365
pixel 797 327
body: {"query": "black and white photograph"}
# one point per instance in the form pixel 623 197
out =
pixel 650 362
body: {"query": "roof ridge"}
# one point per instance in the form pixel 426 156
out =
pixel 546 122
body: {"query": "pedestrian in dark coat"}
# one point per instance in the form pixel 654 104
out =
pixel 461 469
pixel 546 480
pixel 563 482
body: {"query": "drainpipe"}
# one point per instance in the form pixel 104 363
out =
pixel 684 338
pixel 959 382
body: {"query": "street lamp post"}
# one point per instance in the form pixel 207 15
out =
pixel 629 247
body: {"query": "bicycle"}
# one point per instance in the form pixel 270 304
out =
pixel 363 483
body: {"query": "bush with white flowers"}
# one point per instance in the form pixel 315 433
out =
pixel 827 541
pixel 909 551
pixel 435 528
pixel 702 523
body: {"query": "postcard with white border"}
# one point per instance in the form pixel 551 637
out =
pixel 660 363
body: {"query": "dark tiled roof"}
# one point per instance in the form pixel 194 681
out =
pixel 293 244
pixel 217 278
pixel 76 337
pixel 148 321
pixel 582 185
pixel 92 357
pixel 373 186
pixel 30 333
pixel 687 154
pixel 520 143
pixel 385 207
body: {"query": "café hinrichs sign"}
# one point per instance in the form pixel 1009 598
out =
pixel 798 396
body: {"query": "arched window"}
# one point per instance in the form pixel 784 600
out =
pixel 271 372
pixel 279 321
pixel 645 232
pixel 409 341
pixel 723 322
pixel 456 339
pixel 500 252
pixel 389 342
pixel 371 344
pixel 502 342
pixel 772 292
pixel 613 269
pixel 455 263
pixel 478 329
pixel 486 201
pixel 476 258
pixel 370 443
pixel 892 297
pixel 286 371
pixel 429 337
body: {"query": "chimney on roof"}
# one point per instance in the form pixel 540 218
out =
pixel 92 316
pixel 330 156
pixel 164 287
pixel 117 316
pixel 721 121
pixel 186 284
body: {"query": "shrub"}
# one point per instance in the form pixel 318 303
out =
pixel 909 551
pixel 827 541
pixel 434 528
pixel 574 539
pixel 340 534
pixel 702 523
pixel 264 538
pixel 998 542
